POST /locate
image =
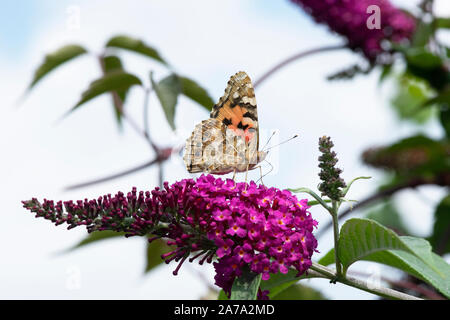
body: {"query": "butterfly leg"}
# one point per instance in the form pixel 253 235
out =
pixel 246 174
pixel 261 175
pixel 234 175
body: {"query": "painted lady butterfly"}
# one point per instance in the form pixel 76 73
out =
pixel 229 140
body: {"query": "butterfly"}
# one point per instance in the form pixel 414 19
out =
pixel 229 140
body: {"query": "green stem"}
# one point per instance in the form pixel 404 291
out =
pixel 362 285
pixel 345 190
pixel 334 215
pixel 314 195
pixel 315 202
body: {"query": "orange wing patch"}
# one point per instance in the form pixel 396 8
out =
pixel 237 107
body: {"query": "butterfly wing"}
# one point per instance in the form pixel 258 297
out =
pixel 202 152
pixel 237 110
pixel 229 140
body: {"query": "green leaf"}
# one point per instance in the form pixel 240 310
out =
pixel 196 93
pixel 443 23
pixel 328 258
pixel 423 64
pixel 167 91
pixel 246 286
pixel 442 98
pixel 135 45
pixel 416 267
pixel 222 295
pixel 385 72
pixel 56 59
pixel 279 282
pixel 362 237
pixel 115 81
pixel 411 264
pixel 444 118
pixel 299 292
pixel 113 64
pixel 440 238
pixel 388 215
pixel 422 34
pixel 420 57
pixel 154 251
pixel 96 236
pixel 409 98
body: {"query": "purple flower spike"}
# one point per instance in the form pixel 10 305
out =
pixel 349 18
pixel 265 229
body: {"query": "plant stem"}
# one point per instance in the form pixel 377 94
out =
pixel 315 202
pixel 347 188
pixel 334 215
pixel 356 283
pixel 160 174
pixel 297 56
pixel 147 92
pixel 314 195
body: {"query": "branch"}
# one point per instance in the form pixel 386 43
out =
pixel 430 294
pixel 163 155
pixel 294 58
pixel 147 93
pixel 160 174
pixel 359 284
pixel 114 176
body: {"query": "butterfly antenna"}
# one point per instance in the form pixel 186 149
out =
pixel 283 142
pixel 273 133
pixel 271 169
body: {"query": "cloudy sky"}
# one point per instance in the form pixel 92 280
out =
pixel 207 41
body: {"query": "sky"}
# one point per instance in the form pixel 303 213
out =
pixel 207 41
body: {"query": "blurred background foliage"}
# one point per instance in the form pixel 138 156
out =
pixel 418 72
